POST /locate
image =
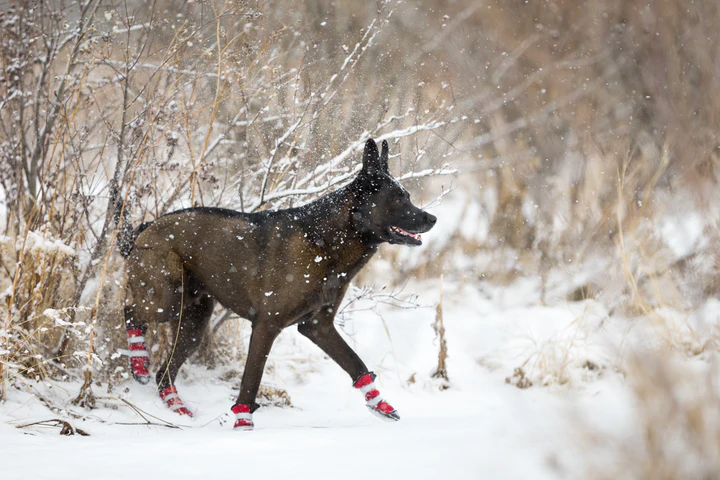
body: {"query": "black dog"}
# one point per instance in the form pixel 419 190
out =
pixel 274 268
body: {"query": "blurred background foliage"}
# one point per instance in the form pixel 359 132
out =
pixel 583 135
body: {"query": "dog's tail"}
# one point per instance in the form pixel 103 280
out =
pixel 127 237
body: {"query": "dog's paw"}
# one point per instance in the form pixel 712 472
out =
pixel 173 401
pixel 373 400
pixel 243 425
pixel 386 412
pixel 142 379
pixel 139 360
pixel 243 417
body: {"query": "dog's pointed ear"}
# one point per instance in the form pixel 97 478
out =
pixel 371 158
pixel 384 156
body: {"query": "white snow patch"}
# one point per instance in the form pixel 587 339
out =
pixel 480 426
pixel 682 233
pixel 41 242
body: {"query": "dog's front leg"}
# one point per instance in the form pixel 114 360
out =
pixel 322 332
pixel 261 341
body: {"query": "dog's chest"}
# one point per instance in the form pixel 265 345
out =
pixel 341 265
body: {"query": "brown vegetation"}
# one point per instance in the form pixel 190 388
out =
pixel 576 127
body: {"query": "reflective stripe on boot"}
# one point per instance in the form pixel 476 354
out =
pixel 373 399
pixel 139 360
pixel 243 417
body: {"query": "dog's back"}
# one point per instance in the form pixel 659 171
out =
pixel 251 263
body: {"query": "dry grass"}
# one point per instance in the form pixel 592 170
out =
pixel 441 372
pixel 577 129
pixel 236 105
pixel 675 434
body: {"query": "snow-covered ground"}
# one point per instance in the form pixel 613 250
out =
pixel 480 427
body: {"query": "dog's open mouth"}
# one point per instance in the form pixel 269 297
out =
pixel 405 234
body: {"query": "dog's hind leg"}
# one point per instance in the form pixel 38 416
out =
pixel 156 282
pixel 321 330
pixel 186 334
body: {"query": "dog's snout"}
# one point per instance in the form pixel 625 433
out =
pixel 431 218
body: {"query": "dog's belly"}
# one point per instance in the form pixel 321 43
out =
pixel 279 295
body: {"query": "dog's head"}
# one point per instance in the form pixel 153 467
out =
pixel 383 211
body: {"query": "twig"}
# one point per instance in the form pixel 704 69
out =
pixel 66 429
pixel 140 412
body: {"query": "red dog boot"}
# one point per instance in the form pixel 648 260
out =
pixel 243 417
pixel 373 400
pixel 139 361
pixel 171 398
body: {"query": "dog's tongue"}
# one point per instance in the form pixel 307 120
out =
pixel 416 236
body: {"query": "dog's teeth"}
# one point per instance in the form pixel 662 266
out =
pixel 404 233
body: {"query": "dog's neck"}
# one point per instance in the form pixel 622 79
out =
pixel 334 229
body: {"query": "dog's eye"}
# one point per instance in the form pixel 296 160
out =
pixel 397 201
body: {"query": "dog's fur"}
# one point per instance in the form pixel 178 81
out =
pixel 274 268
